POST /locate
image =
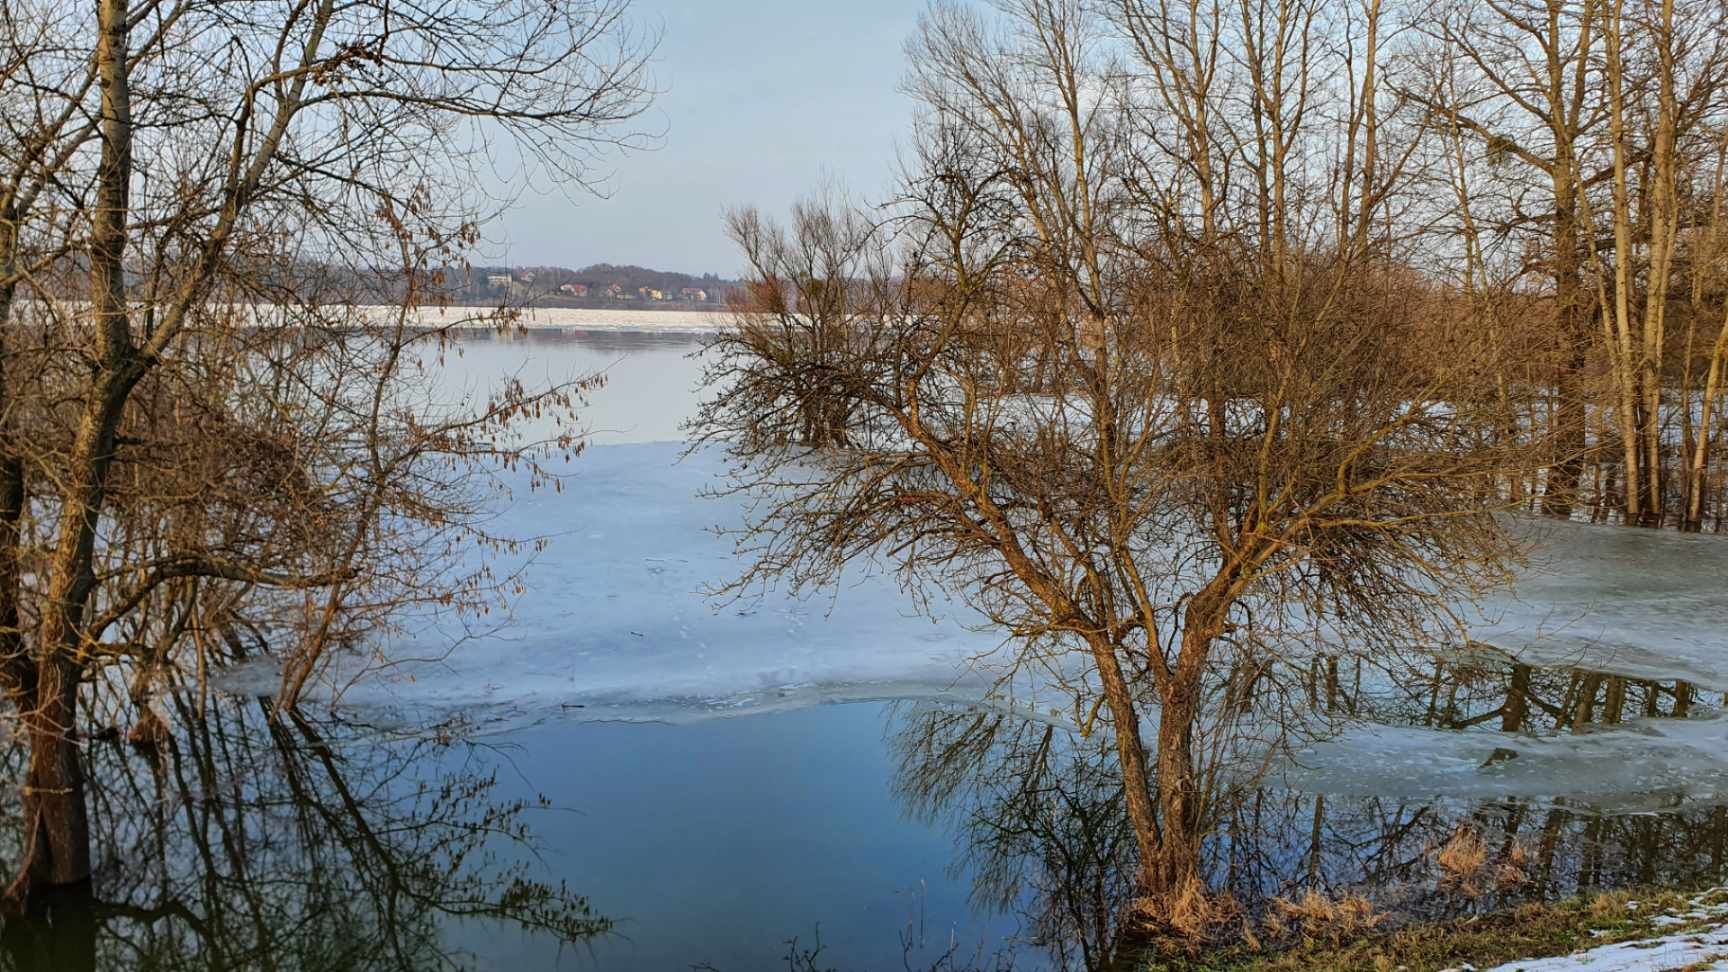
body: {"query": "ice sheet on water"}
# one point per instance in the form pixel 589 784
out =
pixel 1645 604
pixel 615 619
pixel 1647 764
pixel 1640 603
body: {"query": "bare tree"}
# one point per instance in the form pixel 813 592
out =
pixel 807 303
pixel 1243 463
pixel 216 433
pixel 1586 129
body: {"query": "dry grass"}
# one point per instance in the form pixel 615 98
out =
pixel 1530 930
pixel 1466 864
pixel 1317 917
pixel 1187 920
pixel 1462 860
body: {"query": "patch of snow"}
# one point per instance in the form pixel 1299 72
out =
pixel 1695 949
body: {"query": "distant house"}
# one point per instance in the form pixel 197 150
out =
pixel 649 293
pixel 694 293
pixel 574 289
pixel 499 281
pixel 613 292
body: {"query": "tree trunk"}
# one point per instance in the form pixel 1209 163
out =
pixel 1179 798
pixel 1131 753
pixel 1181 802
pixel 1586 707
pixel 1700 459
pixel 56 834
pixel 1560 492
pixel 58 933
pixel 1517 700
pixel 1615 702
pixel 57 831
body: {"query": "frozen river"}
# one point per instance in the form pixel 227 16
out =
pixel 717 839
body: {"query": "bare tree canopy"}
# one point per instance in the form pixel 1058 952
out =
pixel 1207 343
pixel 1129 367
pixel 206 450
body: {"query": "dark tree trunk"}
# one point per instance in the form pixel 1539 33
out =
pixel 1572 317
pixel 56 833
pixel 1131 754
pixel 57 933
pixel 1181 802
pixel 56 836
pixel 1517 700
pixel 1178 795
pixel 1585 710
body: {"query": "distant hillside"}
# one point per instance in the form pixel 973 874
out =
pixel 600 285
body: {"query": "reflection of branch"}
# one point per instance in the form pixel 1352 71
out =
pixel 378 852
pixel 151 914
pixel 284 846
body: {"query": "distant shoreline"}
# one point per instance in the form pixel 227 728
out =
pixel 582 318
pixel 534 318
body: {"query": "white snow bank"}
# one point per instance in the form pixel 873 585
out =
pixel 578 318
pixel 1695 950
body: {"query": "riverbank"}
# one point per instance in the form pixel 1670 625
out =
pixel 1617 931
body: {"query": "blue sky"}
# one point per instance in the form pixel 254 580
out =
pixel 762 101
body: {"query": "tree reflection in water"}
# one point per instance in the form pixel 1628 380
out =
pixel 1038 816
pixel 250 843
pixel 1036 810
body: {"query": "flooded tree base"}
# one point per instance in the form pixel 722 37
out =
pixel 57 928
